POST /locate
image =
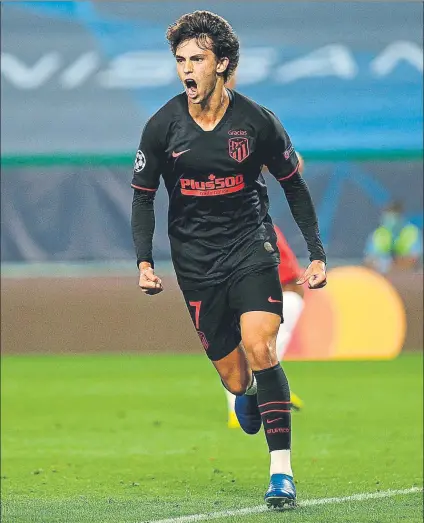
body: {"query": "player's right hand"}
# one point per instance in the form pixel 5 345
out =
pixel 149 283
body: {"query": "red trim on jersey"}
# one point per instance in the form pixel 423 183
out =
pixel 291 174
pixel 142 188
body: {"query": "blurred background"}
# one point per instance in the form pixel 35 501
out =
pixel 79 80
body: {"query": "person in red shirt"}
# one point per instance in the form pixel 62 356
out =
pixel 289 271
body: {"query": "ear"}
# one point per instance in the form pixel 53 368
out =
pixel 222 65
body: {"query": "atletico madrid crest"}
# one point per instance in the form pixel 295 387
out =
pixel 238 148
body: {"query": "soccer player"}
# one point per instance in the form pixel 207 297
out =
pixel 209 144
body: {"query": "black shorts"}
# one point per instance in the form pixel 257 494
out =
pixel 216 310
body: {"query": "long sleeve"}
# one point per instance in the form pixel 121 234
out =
pixel 145 182
pixel 283 163
pixel 303 211
pixel 143 224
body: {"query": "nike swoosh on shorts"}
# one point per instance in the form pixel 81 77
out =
pixel 271 300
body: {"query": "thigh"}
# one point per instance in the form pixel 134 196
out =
pixel 215 322
pixel 258 290
pixel 258 298
pixel 259 334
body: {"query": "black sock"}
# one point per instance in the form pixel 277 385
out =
pixel 274 406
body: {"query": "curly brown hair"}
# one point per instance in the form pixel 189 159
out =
pixel 204 25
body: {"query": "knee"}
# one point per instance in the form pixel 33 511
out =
pixel 237 390
pixel 262 354
pixel 238 386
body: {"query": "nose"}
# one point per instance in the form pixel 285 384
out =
pixel 188 67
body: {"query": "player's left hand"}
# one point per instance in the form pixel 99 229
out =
pixel 315 275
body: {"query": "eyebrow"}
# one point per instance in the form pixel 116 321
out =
pixel 200 55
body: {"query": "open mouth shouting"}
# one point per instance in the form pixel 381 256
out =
pixel 191 88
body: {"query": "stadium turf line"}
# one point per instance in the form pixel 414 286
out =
pixel 116 439
pixel 225 514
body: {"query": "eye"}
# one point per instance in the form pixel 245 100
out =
pixel 198 59
pixel 179 60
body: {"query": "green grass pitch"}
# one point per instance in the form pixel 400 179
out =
pixel 117 438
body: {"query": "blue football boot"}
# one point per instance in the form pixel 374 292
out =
pixel 281 492
pixel 248 414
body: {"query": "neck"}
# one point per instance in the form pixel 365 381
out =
pixel 210 110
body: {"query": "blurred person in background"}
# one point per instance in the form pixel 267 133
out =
pixel 209 144
pixel 396 244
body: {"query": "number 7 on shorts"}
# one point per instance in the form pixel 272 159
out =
pixel 196 305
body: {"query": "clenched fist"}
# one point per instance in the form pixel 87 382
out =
pixel 148 282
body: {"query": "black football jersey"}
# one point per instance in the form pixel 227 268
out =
pixel 218 220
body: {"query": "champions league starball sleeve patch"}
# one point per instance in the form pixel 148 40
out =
pixel 140 161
